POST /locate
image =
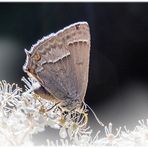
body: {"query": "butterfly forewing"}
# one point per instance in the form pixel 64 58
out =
pixel 60 62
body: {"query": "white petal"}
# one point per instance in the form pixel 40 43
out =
pixel 63 133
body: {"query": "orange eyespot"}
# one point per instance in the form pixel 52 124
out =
pixel 31 70
pixel 37 57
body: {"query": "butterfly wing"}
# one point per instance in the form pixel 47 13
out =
pixel 60 62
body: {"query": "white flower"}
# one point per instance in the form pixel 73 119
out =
pixel 63 132
pixel 110 139
pixel 9 97
pixel 23 114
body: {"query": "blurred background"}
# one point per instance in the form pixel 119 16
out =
pixel 118 77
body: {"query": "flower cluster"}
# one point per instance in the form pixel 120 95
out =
pixel 23 114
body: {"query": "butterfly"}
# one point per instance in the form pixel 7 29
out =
pixel 60 63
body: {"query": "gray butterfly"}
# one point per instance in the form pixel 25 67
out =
pixel 60 63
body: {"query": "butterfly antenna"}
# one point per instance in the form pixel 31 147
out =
pixel 52 107
pixel 94 114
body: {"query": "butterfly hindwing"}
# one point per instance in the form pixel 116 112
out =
pixel 60 62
